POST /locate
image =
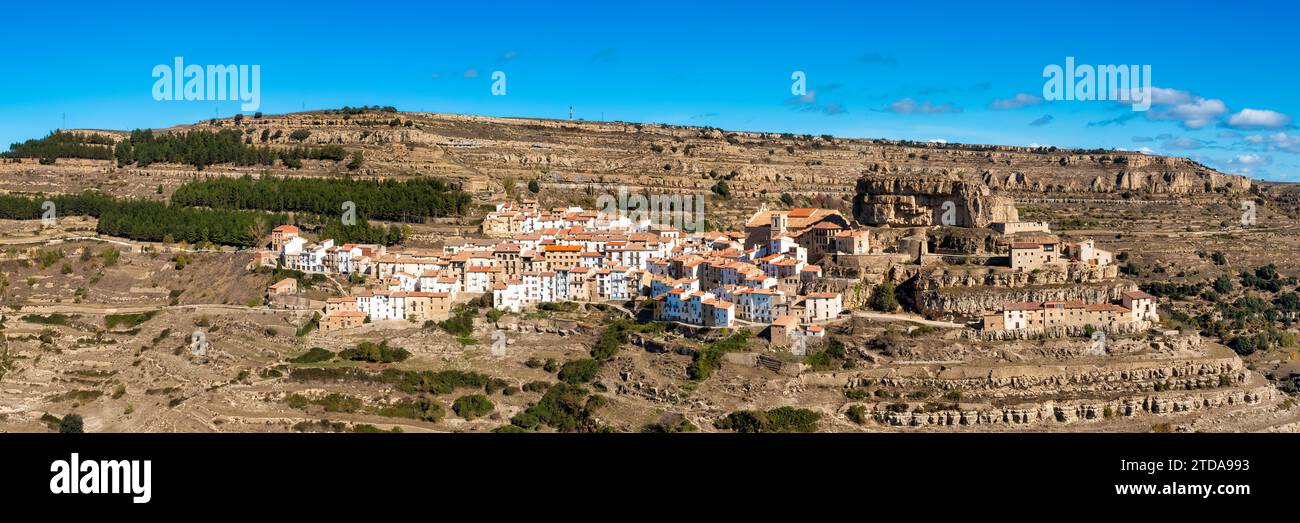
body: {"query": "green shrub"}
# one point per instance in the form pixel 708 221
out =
pixel 461 323
pixel 375 353
pixel 130 320
pixel 420 408
pixel 821 361
pixel 857 393
pixel 441 382
pixel 366 428
pixel 670 424
pixel 311 325
pixel 331 403
pixel 71 424
pixel 709 358
pixel 579 371
pixel 749 421
pixel 472 406
pixel 496 385
pixel 52 319
pixel 564 407
pixel 780 419
pixel 857 414
pixel 884 299
pixel 315 355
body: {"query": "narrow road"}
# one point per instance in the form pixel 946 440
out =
pixel 100 308
pixel 881 316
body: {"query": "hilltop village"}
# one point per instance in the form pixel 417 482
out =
pixel 764 277
pixel 868 284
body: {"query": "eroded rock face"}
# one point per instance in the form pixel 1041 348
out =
pixel 911 189
pixel 941 200
pixel 1059 385
pixel 1064 412
pixel 975 290
pixel 978 300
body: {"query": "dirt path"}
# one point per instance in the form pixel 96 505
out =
pixel 880 316
pixel 99 308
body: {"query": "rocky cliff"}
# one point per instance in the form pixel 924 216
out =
pixel 933 200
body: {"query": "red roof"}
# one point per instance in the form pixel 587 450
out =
pixel 784 321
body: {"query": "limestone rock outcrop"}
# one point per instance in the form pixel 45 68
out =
pixel 940 200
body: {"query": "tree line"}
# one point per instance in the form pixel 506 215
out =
pixel 63 144
pixel 382 200
pixel 143 220
pixel 203 148
pixel 199 148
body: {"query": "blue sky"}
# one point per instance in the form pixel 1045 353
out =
pixel 1225 77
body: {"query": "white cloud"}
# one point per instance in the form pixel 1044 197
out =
pixel 1162 96
pixel 1197 113
pixel 1193 112
pixel 1017 101
pixel 1251 159
pixel 1278 141
pixel 1248 164
pixel 1159 96
pixel 808 103
pixel 1258 119
pixel 910 106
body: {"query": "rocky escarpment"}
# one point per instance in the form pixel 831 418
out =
pixel 1097 377
pixel 979 298
pixel 976 301
pixel 1142 377
pixel 1112 173
pixel 1060 331
pixel 1060 274
pixel 886 199
pixel 1062 412
pixel 922 196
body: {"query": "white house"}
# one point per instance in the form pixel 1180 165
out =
pixel 1141 305
pixel 822 306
